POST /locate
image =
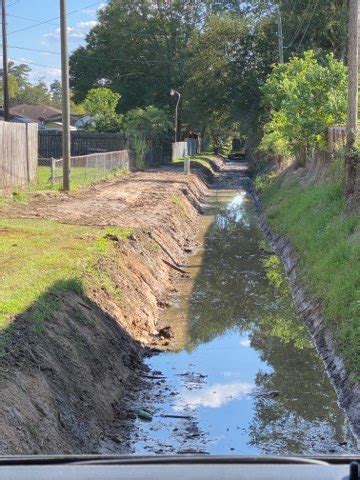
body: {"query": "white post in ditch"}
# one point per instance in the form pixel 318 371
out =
pixel 187 165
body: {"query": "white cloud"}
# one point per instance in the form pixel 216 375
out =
pixel 76 33
pixel 245 342
pixel 94 11
pixel 215 396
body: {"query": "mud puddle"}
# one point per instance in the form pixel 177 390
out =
pixel 243 376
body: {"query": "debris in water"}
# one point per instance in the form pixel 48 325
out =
pixel 145 415
pixel 186 417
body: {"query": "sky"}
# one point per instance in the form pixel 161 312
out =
pixel 46 37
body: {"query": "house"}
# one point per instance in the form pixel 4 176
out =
pixel 36 113
pixel 55 121
pixel 15 118
pixel 49 125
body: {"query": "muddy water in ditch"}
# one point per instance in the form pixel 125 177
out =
pixel 244 377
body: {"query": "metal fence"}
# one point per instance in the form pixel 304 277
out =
pixel 82 143
pixel 158 155
pixel 85 169
pixel 190 146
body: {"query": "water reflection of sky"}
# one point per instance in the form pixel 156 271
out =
pixel 248 374
pixel 234 213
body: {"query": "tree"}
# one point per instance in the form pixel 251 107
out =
pixel 320 25
pixel 147 128
pixel 229 60
pixel 101 104
pixel 56 93
pixel 303 97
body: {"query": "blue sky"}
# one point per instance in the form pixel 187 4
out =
pixel 46 36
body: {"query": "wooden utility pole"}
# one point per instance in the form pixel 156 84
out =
pixel 353 59
pixel 5 62
pixel 280 35
pixel 65 96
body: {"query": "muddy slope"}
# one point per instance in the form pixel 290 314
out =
pixel 60 386
pixel 310 310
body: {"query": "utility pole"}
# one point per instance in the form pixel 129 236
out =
pixel 280 35
pixel 5 61
pixel 353 59
pixel 65 96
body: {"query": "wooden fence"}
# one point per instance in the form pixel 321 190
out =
pixel 18 154
pixel 336 136
pixel 82 143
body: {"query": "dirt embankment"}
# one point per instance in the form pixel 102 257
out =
pixel 60 387
pixel 309 307
pixel 310 310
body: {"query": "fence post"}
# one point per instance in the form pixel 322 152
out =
pixel 52 171
pixel 187 165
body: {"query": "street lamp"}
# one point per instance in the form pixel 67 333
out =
pixel 173 93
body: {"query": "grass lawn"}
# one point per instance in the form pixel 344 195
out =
pixel 40 258
pixel 328 244
pixel 201 159
pixel 80 177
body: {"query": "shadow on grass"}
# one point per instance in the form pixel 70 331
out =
pixel 74 359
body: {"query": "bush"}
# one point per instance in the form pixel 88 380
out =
pixel 101 104
pixel 303 98
pixel 147 128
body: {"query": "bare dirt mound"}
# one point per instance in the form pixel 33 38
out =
pixel 60 387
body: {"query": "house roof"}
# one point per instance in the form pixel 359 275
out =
pixel 35 112
pixel 58 118
pixel 15 118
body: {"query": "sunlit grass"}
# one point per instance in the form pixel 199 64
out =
pixel 327 241
pixel 34 255
pixel 203 159
pixel 40 255
pixel 80 177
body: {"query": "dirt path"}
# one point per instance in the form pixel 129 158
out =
pixel 141 199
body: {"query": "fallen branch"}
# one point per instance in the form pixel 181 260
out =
pixel 185 417
pixel 171 265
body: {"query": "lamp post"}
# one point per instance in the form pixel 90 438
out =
pixel 173 93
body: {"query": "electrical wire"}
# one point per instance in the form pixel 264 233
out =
pixel 115 59
pixel 49 20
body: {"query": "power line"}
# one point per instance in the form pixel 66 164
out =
pixel 91 57
pixel 26 62
pixel 13 3
pixel 301 24
pixel 308 25
pixel 49 20
pixel 28 19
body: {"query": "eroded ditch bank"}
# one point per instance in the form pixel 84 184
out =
pixel 77 350
pixel 77 385
pixel 310 310
pixel 243 376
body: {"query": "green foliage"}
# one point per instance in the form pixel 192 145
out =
pixel 303 97
pixel 328 244
pixel 275 274
pixel 101 104
pixel 56 93
pixel 151 122
pixel 101 101
pixel 199 48
pixel 264 180
pixel 147 127
pixel 223 80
